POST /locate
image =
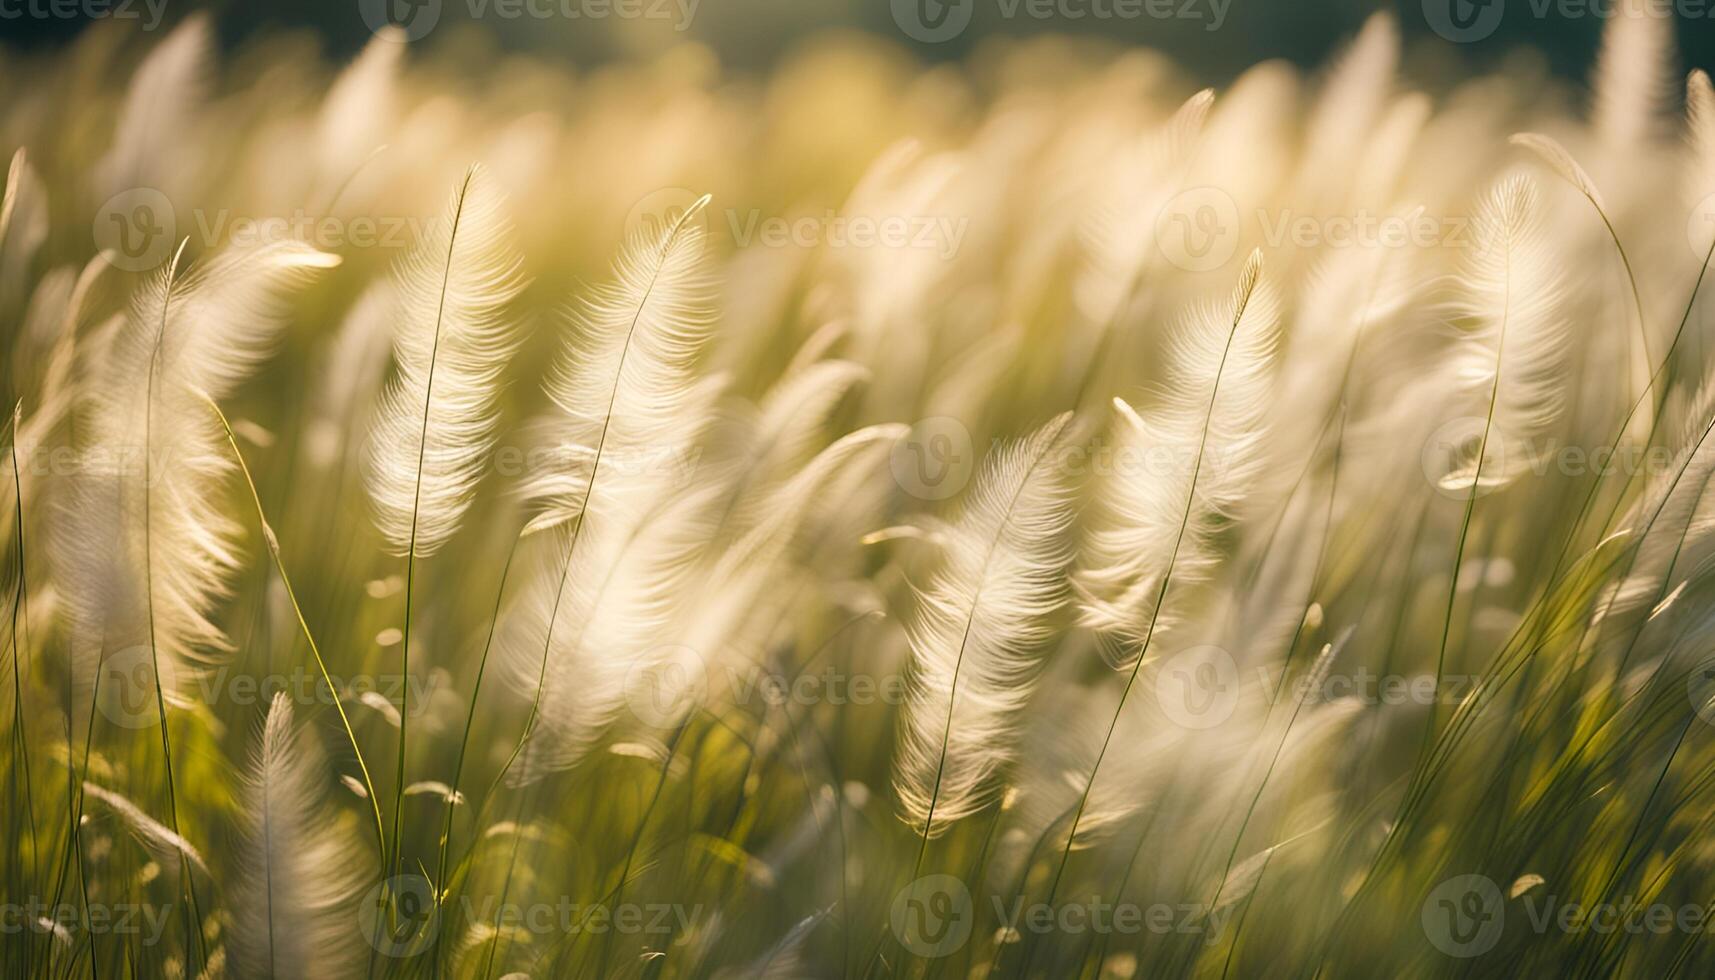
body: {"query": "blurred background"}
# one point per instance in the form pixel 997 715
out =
pixel 1215 38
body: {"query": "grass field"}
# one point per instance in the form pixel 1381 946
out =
pixel 1022 517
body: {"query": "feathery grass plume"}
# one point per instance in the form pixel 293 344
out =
pixel 161 841
pixel 1512 354
pixel 625 394
pixel 1670 522
pixel 1388 151
pixel 302 876
pixel 1184 469
pixel 1561 162
pixel 1120 237
pixel 1700 112
pixel 24 230
pixel 359 107
pixel 628 406
pixel 782 961
pixel 1352 99
pixel 979 634
pixel 354 366
pixel 739 575
pixel 452 338
pixel 1642 359
pixel 777 436
pixel 143 549
pixel 1635 77
pixel 603 608
pixel 161 111
pixel 1700 107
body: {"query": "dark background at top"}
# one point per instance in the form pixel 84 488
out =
pixel 752 34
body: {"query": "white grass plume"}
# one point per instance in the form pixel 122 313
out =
pixel 1512 355
pixel 436 421
pixel 600 610
pixel 1700 110
pixel 1700 121
pixel 1671 520
pixel 163 843
pixel 1120 238
pixel 1549 150
pixel 977 639
pixel 1635 76
pixel 352 370
pixel 140 546
pixel 302 874
pixel 1184 468
pixel 359 107
pixel 626 397
pixel 1349 108
pixel 155 122
pixel 625 387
